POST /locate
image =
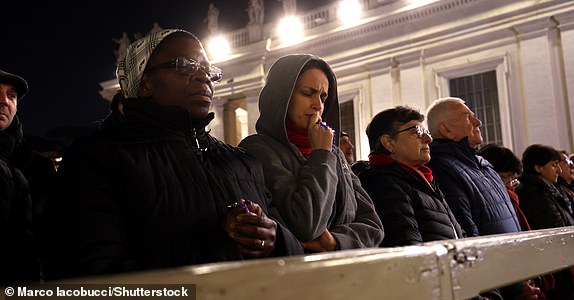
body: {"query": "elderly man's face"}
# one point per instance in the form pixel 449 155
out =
pixel 347 148
pixel 463 122
pixel 8 104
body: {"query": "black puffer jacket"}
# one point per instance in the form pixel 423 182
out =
pixel 150 191
pixel 18 254
pixel 542 203
pixel 411 211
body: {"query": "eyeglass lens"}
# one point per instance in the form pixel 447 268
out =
pixel 190 66
pixel 420 130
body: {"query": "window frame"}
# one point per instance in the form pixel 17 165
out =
pixel 497 64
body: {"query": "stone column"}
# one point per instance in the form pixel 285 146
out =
pixel 252 99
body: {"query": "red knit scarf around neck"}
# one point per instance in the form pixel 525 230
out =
pixel 299 137
pixel 382 159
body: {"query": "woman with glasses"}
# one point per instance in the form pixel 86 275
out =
pixel 566 179
pixel 542 202
pixel 406 196
pixel 312 185
pixel 153 189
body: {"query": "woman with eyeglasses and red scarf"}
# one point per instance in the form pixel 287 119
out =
pixel 405 193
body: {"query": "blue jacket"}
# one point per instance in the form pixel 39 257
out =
pixel 473 190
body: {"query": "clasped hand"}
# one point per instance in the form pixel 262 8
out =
pixel 251 229
pixel 320 134
pixel 325 242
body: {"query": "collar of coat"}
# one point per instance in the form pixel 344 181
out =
pixel 10 138
pixel 460 149
pixel 146 115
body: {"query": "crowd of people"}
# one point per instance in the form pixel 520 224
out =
pixel 152 188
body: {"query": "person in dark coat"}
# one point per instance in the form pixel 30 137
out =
pixel 544 205
pixel 472 188
pixel 24 177
pixel 153 189
pixel 566 179
pixel 542 202
pixel 409 202
pixel 509 168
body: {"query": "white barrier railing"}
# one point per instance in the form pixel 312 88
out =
pixel 452 269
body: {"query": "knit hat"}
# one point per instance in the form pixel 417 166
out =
pixel 132 65
pixel 18 82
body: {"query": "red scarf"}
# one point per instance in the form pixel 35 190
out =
pixel 382 159
pixel 299 137
pixel 519 213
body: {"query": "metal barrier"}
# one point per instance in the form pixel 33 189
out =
pixel 452 269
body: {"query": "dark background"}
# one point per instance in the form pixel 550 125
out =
pixel 64 49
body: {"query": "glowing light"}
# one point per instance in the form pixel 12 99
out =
pixel 290 30
pixel 218 49
pixel 412 4
pixel 349 11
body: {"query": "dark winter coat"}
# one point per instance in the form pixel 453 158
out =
pixel 19 255
pixel 543 203
pixel 411 211
pixel 150 190
pixel 472 188
pixel 568 192
pixel 546 207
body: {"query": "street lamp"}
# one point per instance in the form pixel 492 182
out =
pixel 349 11
pixel 218 49
pixel 290 30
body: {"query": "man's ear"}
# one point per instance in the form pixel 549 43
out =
pixel 387 142
pixel 537 168
pixel 145 90
pixel 445 131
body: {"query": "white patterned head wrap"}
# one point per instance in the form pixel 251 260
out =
pixel 131 67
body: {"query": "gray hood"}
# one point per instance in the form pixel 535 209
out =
pixel 276 94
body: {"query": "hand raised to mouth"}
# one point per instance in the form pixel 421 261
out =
pixel 320 134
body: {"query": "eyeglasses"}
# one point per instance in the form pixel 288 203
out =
pixel 509 178
pixel 421 131
pixel 569 162
pixel 189 67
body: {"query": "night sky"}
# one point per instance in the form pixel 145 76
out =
pixel 64 49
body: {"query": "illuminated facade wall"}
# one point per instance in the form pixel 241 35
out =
pixel 405 52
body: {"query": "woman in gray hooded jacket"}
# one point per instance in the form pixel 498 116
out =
pixel 313 188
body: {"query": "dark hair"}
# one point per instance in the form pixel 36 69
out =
pixel 343 133
pixel 315 64
pixel 538 155
pixel 501 158
pixel 387 122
